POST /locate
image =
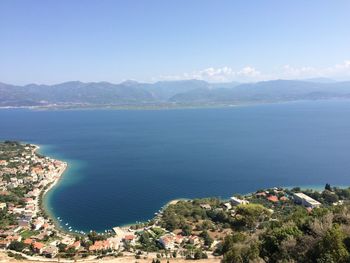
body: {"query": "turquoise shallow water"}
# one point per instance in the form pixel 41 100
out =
pixel 124 165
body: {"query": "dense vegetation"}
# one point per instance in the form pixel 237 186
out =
pixel 262 231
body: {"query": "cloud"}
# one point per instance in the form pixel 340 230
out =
pixel 222 74
pixel 251 74
pixel 338 71
pixel 292 72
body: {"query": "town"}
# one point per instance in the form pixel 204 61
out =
pixel 190 229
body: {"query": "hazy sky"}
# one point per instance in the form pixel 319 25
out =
pixel 46 41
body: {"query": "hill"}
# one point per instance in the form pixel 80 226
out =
pixel 174 93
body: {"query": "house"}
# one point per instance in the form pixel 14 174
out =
pixel 227 206
pixel 4 243
pixel 178 239
pixel 3 162
pixel 260 194
pixel 18 210
pixel 129 239
pixel 114 242
pixel 3 206
pixel 236 201
pixel 76 245
pixel 23 223
pixel 272 198
pixel 50 251
pixel 28 241
pixel 38 223
pixel 167 241
pixel 13 238
pixel 118 232
pixel 284 198
pixel 67 240
pixel 38 247
pixel 205 206
pixel 193 240
pixel 100 245
pixel 305 200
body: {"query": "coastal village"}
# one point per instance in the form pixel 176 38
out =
pixel 189 229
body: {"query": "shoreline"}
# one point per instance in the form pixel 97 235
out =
pixel 161 107
pixel 41 202
pixel 43 205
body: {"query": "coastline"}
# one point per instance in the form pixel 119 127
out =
pixel 141 107
pixel 41 202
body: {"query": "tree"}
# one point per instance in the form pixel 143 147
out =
pixel 186 230
pixel 331 248
pixel 62 247
pixel 93 236
pixel 251 214
pixel 328 187
pixel 329 197
pixel 17 246
pixel 207 239
pixel 199 254
pixel 272 240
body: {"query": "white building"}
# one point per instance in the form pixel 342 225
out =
pixel 305 200
pixel 236 201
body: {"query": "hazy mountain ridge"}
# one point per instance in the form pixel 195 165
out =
pixel 76 93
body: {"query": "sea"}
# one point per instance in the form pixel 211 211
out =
pixel 124 165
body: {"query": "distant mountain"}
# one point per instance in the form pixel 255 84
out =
pixel 266 91
pixel 196 92
pixel 320 80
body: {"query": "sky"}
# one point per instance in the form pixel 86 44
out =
pixel 43 41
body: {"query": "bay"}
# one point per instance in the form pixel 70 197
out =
pixel 125 164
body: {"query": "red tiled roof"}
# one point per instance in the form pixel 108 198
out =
pixel 273 198
pixel 28 241
pixel 38 245
pixel 99 245
pixel 129 237
pixel 283 198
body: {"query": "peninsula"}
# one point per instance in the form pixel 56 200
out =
pixel 269 225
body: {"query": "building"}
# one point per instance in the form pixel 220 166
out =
pixel 205 206
pixel 236 201
pixel 50 251
pixel 305 200
pixel 4 243
pixel 272 198
pixel 76 245
pixel 38 247
pixel 3 206
pixel 167 241
pixel 100 245
pixel 129 239
pixel 118 232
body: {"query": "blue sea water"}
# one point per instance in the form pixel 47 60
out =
pixel 125 164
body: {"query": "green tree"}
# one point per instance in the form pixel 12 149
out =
pixel 186 230
pixel 17 246
pixel 332 248
pixel 207 239
pixel 329 197
pixel 251 214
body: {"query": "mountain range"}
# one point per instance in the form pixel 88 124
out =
pixel 171 93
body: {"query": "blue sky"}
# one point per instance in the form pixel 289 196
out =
pixel 148 40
